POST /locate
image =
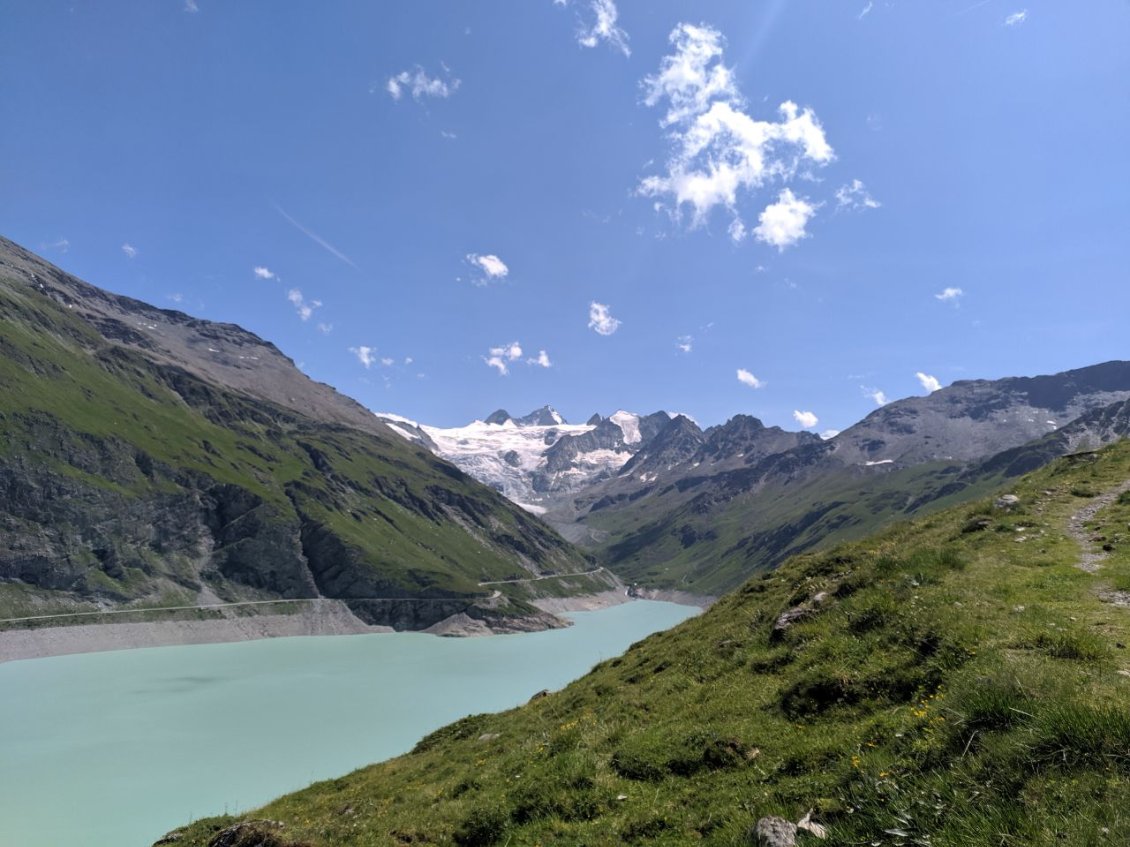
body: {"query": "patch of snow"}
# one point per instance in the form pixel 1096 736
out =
pixel 880 462
pixel 629 425
pixel 531 508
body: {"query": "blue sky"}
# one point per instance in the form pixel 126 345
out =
pixel 706 207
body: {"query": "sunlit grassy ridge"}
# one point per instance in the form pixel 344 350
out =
pixel 961 682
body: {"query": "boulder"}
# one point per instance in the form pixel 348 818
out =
pixel 773 831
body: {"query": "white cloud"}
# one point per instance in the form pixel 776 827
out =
pixel 718 150
pixel 829 433
pixel 491 267
pixel 325 328
pixel 875 394
pixel 500 357
pixel 541 360
pixel 365 355
pixel 737 230
pixel 191 7
pixel 601 320
pixel 930 383
pixel 420 85
pixel 317 239
pixel 783 223
pixel 951 295
pixel 746 378
pixel 60 244
pixel 388 361
pixel 866 10
pixel 855 196
pixel 408 360
pixel 685 343
pixel 129 250
pixel 807 420
pixel 604 27
pixel 304 307
pixel 1016 18
pixel 263 273
pixel 177 297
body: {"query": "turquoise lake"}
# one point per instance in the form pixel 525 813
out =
pixel 115 749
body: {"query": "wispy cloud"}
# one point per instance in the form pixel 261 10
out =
pixel 1016 18
pixel 305 308
pixel 783 223
pixel 684 343
pixel 541 360
pixel 746 378
pixel 950 295
pixel 60 245
pixel 325 328
pixel 604 27
pixel 417 83
pixel 317 239
pixel 718 151
pixel 601 320
pixel 928 382
pixel 875 394
pixel 829 433
pixel 191 7
pixel 129 250
pixel 262 272
pixel 807 420
pixel 854 196
pixel 500 358
pixel 490 268
pixel 866 10
pixel 365 355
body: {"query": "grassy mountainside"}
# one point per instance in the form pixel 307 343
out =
pixel 958 680
pixel 127 476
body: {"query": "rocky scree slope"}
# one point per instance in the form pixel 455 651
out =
pixel 151 458
pixel 957 680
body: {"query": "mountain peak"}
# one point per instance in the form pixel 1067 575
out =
pixel 499 416
pixel 545 416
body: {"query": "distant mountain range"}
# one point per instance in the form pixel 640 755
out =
pixel 668 504
pixel 151 458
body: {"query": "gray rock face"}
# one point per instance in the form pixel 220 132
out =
pixel 774 832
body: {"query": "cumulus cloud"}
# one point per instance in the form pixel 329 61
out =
pixel 746 378
pixel 129 250
pixel 263 273
pixel 1016 18
pixel 417 83
pixel 365 355
pixel 490 267
pixel 500 357
pixel 876 394
pixel 929 383
pixel 685 343
pixel 718 151
pixel 829 433
pixel 807 420
pixel 783 223
pixel 855 197
pixel 950 295
pixel 541 360
pixel 304 307
pixel 601 320
pixel 604 27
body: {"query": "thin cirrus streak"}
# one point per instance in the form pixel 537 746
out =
pixel 317 239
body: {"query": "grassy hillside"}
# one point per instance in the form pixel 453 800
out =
pixel 958 680
pixel 128 479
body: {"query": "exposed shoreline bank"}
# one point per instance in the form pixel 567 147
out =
pixel 326 617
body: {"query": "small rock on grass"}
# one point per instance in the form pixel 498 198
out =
pixel 773 831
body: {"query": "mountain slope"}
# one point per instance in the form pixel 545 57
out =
pixel 959 680
pixel 150 458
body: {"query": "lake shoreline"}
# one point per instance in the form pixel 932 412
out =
pixel 326 617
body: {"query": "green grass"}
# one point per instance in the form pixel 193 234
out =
pixel 953 688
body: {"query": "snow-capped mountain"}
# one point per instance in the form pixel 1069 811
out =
pixel 536 459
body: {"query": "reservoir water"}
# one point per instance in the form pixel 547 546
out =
pixel 114 749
